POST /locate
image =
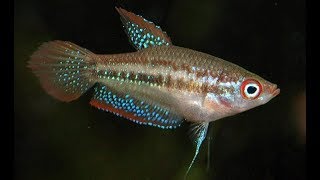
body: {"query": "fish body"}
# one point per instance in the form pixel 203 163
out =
pixel 160 84
pixel 192 84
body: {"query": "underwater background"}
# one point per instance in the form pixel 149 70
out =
pixel 57 140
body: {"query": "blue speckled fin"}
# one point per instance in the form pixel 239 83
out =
pixel 199 132
pixel 141 32
pixel 64 69
pixel 141 112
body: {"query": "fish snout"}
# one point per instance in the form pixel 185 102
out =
pixel 274 90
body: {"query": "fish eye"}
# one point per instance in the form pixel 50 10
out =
pixel 251 89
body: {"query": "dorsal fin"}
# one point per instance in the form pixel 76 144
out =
pixel 198 134
pixel 141 32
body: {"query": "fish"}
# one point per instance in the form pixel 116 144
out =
pixel 160 84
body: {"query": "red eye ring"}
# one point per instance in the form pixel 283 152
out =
pixel 253 84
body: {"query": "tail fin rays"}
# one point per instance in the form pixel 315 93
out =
pixel 65 69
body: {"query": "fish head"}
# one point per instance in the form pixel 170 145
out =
pixel 240 93
pixel 254 91
pixel 247 91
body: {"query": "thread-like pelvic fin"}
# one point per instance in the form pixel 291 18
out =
pixel 199 132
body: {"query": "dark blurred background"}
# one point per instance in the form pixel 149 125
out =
pixel 56 140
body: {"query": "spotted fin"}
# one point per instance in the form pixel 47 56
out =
pixel 141 32
pixel 198 134
pixel 133 109
pixel 64 69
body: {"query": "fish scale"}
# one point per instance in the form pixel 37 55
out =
pixel 175 66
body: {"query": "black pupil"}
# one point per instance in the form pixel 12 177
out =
pixel 251 89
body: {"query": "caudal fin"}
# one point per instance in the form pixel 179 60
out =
pixel 65 69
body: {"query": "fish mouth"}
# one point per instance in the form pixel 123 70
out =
pixel 276 91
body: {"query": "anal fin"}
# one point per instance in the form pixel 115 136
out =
pixel 134 109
